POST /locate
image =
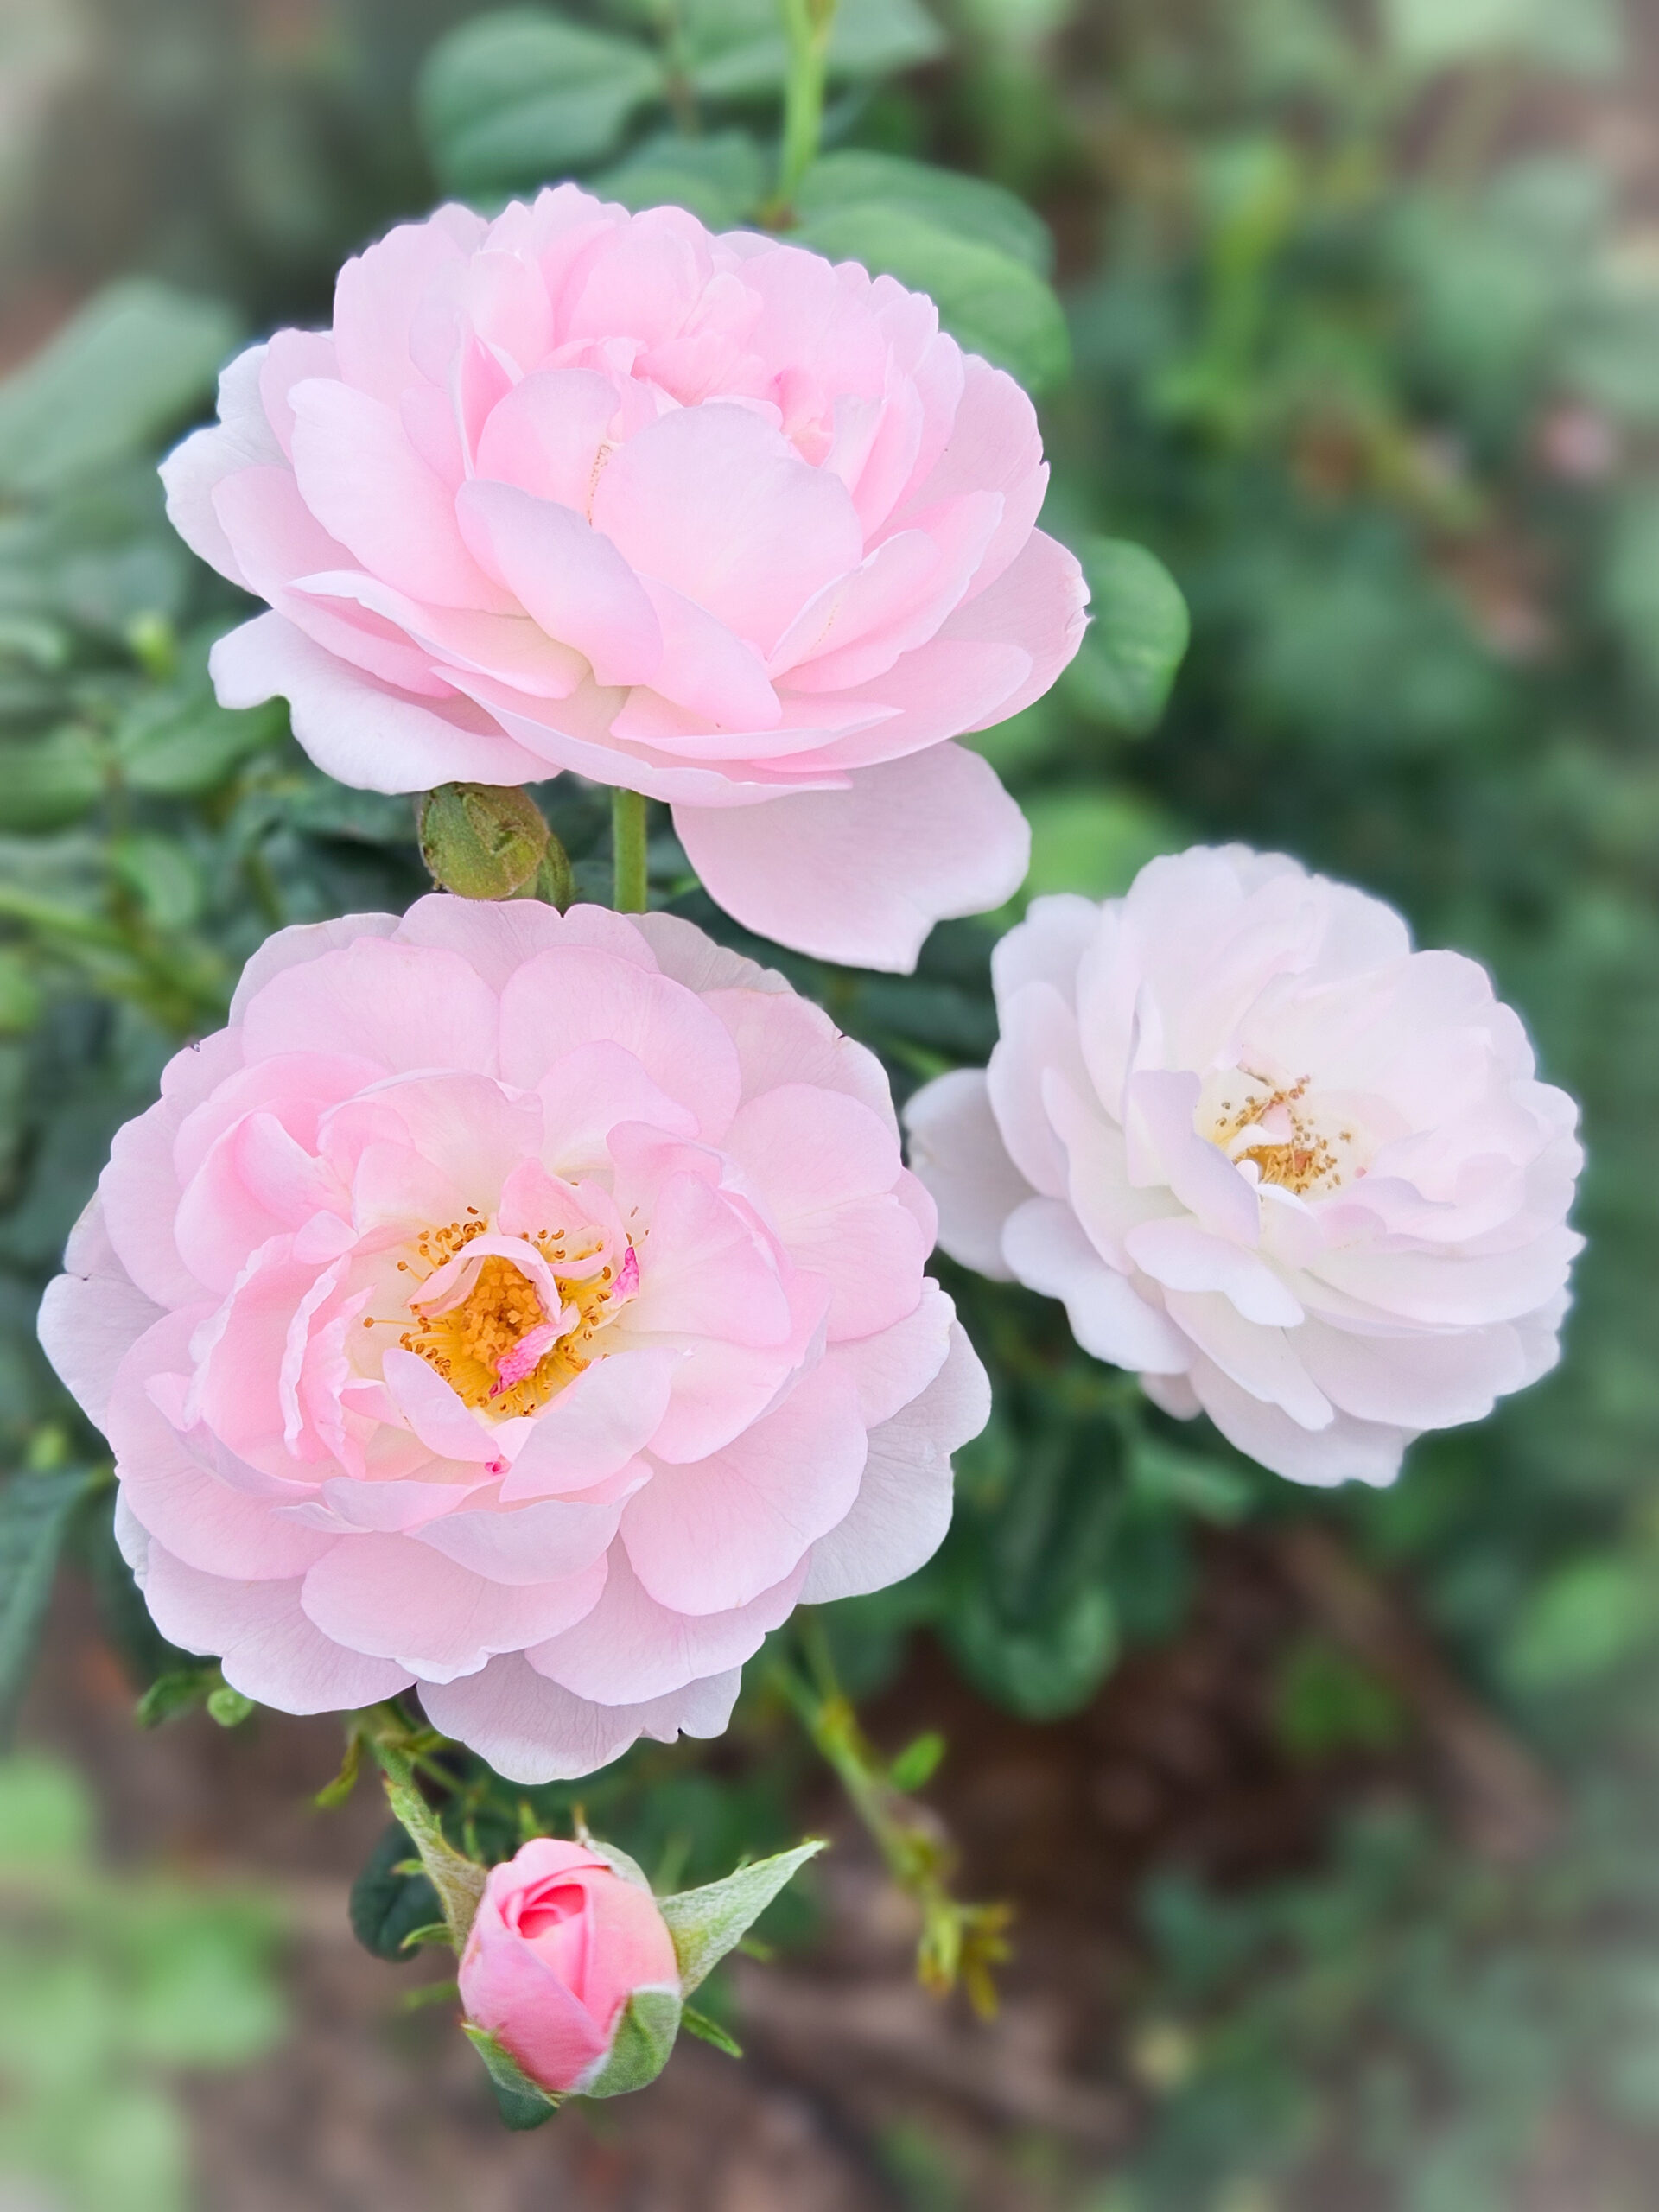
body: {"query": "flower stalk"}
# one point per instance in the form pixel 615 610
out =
pixel 808 23
pixel 631 891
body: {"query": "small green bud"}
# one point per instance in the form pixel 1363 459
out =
pixel 228 1707
pixel 482 840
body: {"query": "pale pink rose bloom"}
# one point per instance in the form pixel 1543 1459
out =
pixel 559 1944
pixel 529 1306
pixel 708 518
pixel 1293 1173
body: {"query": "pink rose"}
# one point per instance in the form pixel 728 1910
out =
pixel 527 1306
pixel 704 517
pixel 1294 1173
pixel 559 1944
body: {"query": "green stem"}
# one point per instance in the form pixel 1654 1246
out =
pixel 808 23
pixel 632 894
pixel 400 1751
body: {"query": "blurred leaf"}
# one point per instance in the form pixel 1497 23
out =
pixel 1581 34
pixel 46 1815
pixel 918 1764
pixel 386 1905
pixel 511 101
pixel 990 302
pixel 735 49
pixel 1586 1617
pixel 1136 640
pixel 162 876
pixel 20 995
pixel 178 742
pixel 1038 1670
pixel 1326 1701
pixel 970 206
pixel 47 782
pixel 131 364
pixel 35 1510
pixel 1086 839
pixel 723 178
pixel 180 1690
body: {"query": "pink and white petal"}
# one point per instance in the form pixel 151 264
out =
pixel 396 1598
pixel 92 1315
pixel 366 484
pixel 782 1039
pixel 956 1148
pixel 1172 1394
pixel 823 1168
pixel 406 1008
pixel 302 943
pixel 1177 1253
pixel 546 434
pixel 382 293
pixel 543 1542
pixel 177 1491
pixel 566 998
pixel 1040 603
pixel 994 444
pixel 1163 1147
pixel 1047 947
pixel 138 1191
pixel 1418 1380
pixel 364 732
pixel 442 1421
pixel 1046 1250
pixel 242 438
pixel 1346 1450
pixel 714 1534
pixel 269 1650
pixel 1263 1361
pixel 899 1519
pixel 630 1649
pixel 705 1270
pixel 592 1089
pixel 1036 1051
pixel 568 577
pixel 499 936
pixel 594 1427
pixel 896 1364
pixel 530 1731
pixel 860 876
pixel 692 957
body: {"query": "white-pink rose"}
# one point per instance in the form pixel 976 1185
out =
pixel 705 517
pixel 529 1306
pixel 1292 1172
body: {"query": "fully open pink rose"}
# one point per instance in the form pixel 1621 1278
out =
pixel 705 517
pixel 527 1306
pixel 1293 1171
pixel 559 1944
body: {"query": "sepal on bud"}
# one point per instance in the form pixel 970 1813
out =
pixel 644 2036
pixel 485 841
pixel 707 1924
pixel 521 2104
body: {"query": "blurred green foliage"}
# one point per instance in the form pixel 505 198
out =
pixel 1364 334
pixel 109 1987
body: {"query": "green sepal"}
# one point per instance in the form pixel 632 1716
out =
pixel 645 2036
pixel 482 840
pixel 520 2102
pixel 707 2031
pixel 708 1923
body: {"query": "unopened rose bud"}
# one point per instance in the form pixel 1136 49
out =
pixel 561 1943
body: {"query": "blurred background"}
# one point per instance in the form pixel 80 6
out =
pixel 1330 1822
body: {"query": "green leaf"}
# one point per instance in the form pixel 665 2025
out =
pixel 1041 1669
pixel 160 874
pixel 178 742
pixel 47 782
pixel 989 301
pixel 46 1814
pixel 1094 841
pixel 707 2031
pixel 644 2036
pixel 129 367
pixel 521 2103
pixel 180 1690
pixel 723 179
pixel 970 206
pixel 1137 635
pixel 35 1511
pixel 228 1707
pixel 21 997
pixel 736 50
pixel 386 1905
pixel 708 1923
pixel 508 102
pixel 918 1764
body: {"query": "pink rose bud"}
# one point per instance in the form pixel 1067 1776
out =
pixel 562 1941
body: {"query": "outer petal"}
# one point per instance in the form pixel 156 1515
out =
pixel 956 1148
pixel 530 1731
pixel 362 732
pixel 861 875
pixel 1045 1247
pixel 630 1649
pixel 899 1519
pixel 92 1316
pixel 270 1651
pixel 1347 1450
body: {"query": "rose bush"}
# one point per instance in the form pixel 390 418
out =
pixel 560 1943
pixel 1289 1170
pixel 527 1306
pixel 701 516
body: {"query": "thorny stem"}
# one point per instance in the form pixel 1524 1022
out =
pixel 631 893
pixel 809 23
pixel 958 1942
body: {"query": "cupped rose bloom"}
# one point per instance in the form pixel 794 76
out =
pixel 708 518
pixel 1292 1172
pixel 561 1942
pixel 527 1306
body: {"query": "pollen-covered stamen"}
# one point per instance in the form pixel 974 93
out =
pixel 508 1321
pixel 1270 1128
